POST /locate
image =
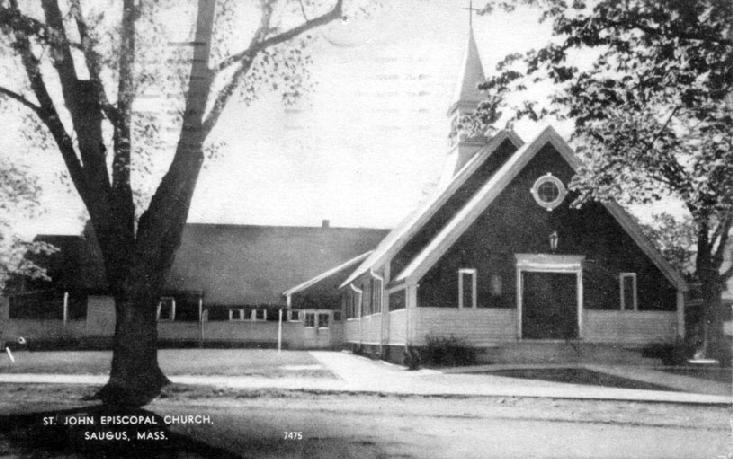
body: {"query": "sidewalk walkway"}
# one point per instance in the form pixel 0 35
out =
pixel 360 374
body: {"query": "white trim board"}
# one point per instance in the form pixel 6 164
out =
pixel 401 235
pixel 302 286
pixel 496 184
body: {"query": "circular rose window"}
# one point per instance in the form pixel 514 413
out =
pixel 548 191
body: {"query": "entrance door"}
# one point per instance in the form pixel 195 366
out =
pixel 549 306
pixel 317 328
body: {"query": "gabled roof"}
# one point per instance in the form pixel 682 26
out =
pixel 496 184
pixel 244 264
pixel 331 272
pixel 399 236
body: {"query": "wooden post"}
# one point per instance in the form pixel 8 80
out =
pixel 201 321
pixel 680 314
pixel 65 311
pixel 279 329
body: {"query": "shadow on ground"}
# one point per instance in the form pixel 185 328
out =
pixel 61 433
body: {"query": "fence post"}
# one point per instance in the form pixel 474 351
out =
pixel 279 329
pixel 65 311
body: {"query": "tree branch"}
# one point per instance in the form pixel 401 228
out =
pixel 47 112
pixel 223 97
pixel 261 45
pixel 91 58
pixel 22 99
pixel 720 238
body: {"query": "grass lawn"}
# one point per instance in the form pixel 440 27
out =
pixel 228 362
pixel 579 376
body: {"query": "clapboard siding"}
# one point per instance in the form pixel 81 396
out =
pixel 364 330
pixel 371 329
pixel 480 327
pixel 629 327
pixel 397 326
pixel 351 330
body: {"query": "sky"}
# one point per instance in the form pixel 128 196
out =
pixel 363 148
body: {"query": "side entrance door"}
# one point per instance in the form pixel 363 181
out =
pixel 549 306
pixel 317 328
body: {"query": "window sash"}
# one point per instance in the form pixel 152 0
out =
pixel 466 287
pixel 628 280
pixel 170 307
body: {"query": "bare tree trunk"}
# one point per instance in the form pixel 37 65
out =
pixel 715 345
pixel 135 378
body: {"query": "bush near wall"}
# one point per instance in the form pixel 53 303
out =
pixel 448 351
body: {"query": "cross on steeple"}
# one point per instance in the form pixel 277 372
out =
pixel 471 9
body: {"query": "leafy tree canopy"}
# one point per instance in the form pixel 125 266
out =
pixel 647 84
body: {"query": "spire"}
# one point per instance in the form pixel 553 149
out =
pixel 472 73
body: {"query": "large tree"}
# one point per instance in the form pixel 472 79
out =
pixel 648 86
pixel 77 68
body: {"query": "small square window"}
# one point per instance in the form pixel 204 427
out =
pixel 260 314
pixel 322 320
pixel 310 320
pixel 294 316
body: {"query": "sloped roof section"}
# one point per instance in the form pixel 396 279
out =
pixel 401 235
pixel 331 273
pixel 494 186
pixel 243 264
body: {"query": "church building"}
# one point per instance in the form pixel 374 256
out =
pixel 499 257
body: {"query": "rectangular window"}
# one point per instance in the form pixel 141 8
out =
pixel 236 314
pixel 362 302
pixel 310 320
pixel 627 283
pixel 466 288
pixel 322 320
pixel 167 308
pixel 260 314
pixel 294 316
pixel 337 316
pixel 496 285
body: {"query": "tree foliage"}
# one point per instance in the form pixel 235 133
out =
pixel 648 85
pixel 18 200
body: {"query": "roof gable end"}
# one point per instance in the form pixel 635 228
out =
pixel 398 237
pixel 496 184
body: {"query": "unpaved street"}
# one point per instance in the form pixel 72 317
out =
pixel 278 423
pixel 368 426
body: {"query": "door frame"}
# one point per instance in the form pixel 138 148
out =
pixel 546 263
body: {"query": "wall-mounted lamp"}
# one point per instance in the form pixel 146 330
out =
pixel 554 238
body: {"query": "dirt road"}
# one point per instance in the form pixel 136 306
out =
pixel 276 424
pixel 367 426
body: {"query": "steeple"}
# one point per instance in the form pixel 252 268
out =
pixel 467 97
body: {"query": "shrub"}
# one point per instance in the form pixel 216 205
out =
pixel 449 351
pixel 411 358
pixel 670 354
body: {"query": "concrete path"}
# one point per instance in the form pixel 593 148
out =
pixel 360 374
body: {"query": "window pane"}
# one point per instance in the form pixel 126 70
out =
pixel 467 290
pixel 323 320
pixel 629 294
pixel 309 320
